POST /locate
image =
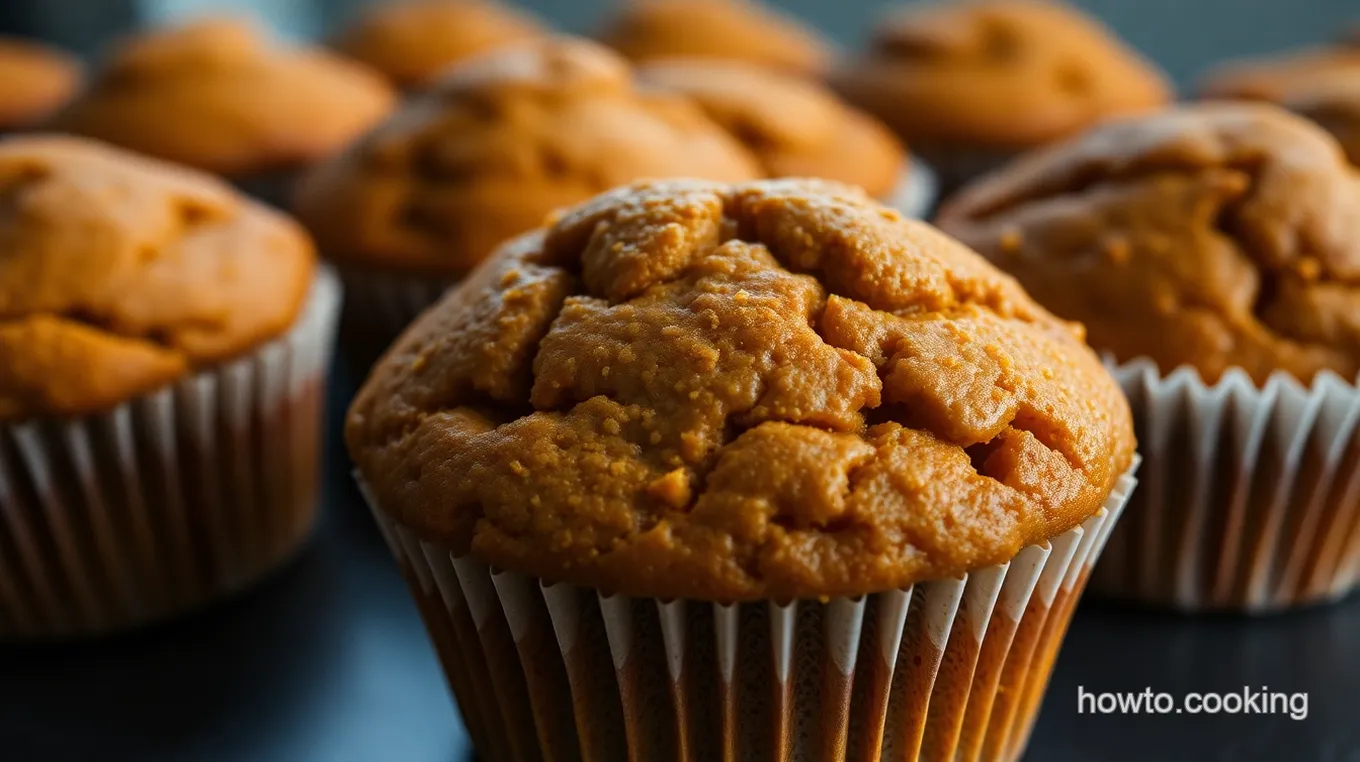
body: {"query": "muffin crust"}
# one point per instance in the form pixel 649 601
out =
pixel 34 81
pixel 120 274
pixel 498 143
pixel 795 127
pixel 1002 74
pixel 216 95
pixel 735 30
pixel 1215 235
pixel 773 389
pixel 412 41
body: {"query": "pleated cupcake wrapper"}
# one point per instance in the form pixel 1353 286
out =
pixel 915 192
pixel 167 501
pixel 945 670
pixel 378 307
pixel 1250 496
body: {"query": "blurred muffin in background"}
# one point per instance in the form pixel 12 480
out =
pixel 1321 83
pixel 736 30
pixel 217 95
pixel 485 154
pixel 411 41
pixel 164 344
pixel 1214 251
pixel 35 80
pixel 796 127
pixel 970 84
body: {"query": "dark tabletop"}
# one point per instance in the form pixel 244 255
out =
pixel 329 662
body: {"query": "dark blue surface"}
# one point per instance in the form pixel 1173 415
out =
pixel 328 663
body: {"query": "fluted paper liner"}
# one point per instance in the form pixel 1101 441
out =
pixel 945 670
pixel 915 191
pixel 1249 494
pixel 378 307
pixel 169 500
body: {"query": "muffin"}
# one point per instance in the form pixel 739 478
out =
pixel 485 155
pixel 218 96
pixel 163 348
pixel 748 470
pixel 1213 251
pixel 797 128
pixel 34 81
pixel 1322 84
pixel 732 30
pixel 411 41
pixel 970 84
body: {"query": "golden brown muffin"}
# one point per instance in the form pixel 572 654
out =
pixel 998 74
pixel 411 41
pixel 120 274
pixel 777 389
pixel 1216 236
pixel 1334 104
pixel 794 126
pixel 34 81
pixel 495 146
pixel 737 30
pixel 217 95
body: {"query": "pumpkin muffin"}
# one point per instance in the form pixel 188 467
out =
pixel 217 95
pixel 774 396
pixel 485 154
pixel 411 41
pixel 795 127
pixel 1215 251
pixel 733 30
pixel 162 353
pixel 1322 84
pixel 34 81
pixel 969 84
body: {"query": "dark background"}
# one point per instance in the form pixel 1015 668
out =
pixel 328 662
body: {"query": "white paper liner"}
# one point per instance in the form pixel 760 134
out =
pixel 167 501
pixel 945 670
pixel 914 194
pixel 378 307
pixel 1250 496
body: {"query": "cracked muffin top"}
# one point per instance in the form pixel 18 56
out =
pixel 794 127
pixel 1214 236
pixel 728 392
pixel 1322 84
pixel 411 41
pixel 1005 74
pixel 34 81
pixel 217 95
pixel 734 30
pixel 498 143
pixel 120 274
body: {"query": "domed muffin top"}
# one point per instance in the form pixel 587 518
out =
pixel 34 81
pixel 215 94
pixel 773 389
pixel 1215 235
pixel 498 143
pixel 412 41
pixel 120 274
pixel 1005 74
pixel 795 127
pixel 737 30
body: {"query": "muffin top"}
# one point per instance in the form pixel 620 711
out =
pixel 411 41
pixel 120 274
pixel 727 392
pixel 1004 74
pixel 34 81
pixel 216 95
pixel 1214 236
pixel 794 126
pixel 738 30
pixel 498 143
pixel 1322 84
